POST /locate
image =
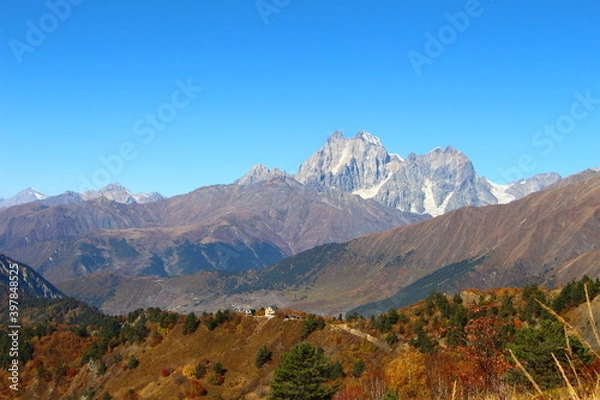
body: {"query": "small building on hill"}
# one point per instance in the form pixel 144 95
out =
pixel 270 311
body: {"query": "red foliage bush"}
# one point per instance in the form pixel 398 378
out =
pixel 197 389
pixel 351 392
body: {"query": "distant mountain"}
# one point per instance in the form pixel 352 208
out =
pixel 224 227
pixel 30 283
pixel 121 194
pixel 550 237
pixel 25 196
pixel 114 192
pixel 259 173
pixel 437 182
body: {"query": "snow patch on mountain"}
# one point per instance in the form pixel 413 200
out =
pixel 25 196
pixel 500 192
pixel 371 192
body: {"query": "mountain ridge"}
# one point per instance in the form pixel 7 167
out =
pixel 114 191
pixel 549 237
pixel 221 227
pixel 439 181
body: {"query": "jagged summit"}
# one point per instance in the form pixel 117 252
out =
pixel 337 135
pixel 121 194
pixel 367 137
pixel 442 180
pixel 260 173
pixel 347 163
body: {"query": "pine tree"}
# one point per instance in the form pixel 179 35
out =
pixel 133 362
pixel 191 324
pixel 262 357
pixel 301 374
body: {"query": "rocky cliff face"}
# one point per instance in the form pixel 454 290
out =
pixel 352 164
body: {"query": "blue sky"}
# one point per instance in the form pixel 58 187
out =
pixel 514 86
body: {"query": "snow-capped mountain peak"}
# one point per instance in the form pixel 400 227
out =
pixel 25 196
pixel 433 183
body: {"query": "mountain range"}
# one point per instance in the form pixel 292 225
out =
pixel 550 237
pixel 434 183
pixel 348 188
pixel 230 227
pixel 114 192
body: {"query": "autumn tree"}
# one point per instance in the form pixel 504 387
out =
pixel 486 338
pixel 302 374
pixel 406 375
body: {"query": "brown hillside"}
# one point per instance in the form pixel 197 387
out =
pixel 547 237
pixel 229 227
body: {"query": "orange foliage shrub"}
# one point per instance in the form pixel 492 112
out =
pixel 484 365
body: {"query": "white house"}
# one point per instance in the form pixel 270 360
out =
pixel 270 311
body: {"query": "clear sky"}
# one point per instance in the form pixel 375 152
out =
pixel 515 85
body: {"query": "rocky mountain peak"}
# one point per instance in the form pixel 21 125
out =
pixel 346 163
pixel 121 194
pixel 368 138
pixel 25 196
pixel 433 183
pixel 260 173
pixel 336 136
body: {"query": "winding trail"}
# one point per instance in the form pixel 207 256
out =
pixel 372 339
